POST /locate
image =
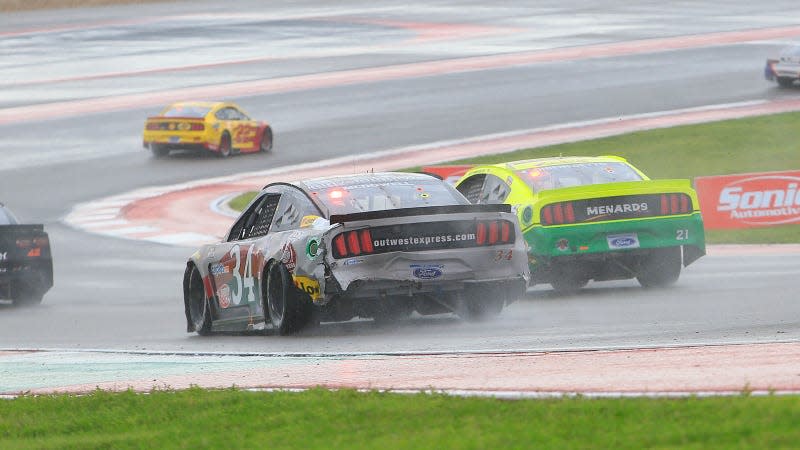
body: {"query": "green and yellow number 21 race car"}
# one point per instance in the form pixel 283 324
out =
pixel 594 218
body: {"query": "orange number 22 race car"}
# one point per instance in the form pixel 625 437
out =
pixel 219 127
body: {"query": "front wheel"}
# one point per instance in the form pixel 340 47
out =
pixel 660 268
pixel 197 304
pixel 287 308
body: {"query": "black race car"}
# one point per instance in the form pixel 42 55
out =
pixel 26 266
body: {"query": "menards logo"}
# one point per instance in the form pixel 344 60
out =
pixel 762 200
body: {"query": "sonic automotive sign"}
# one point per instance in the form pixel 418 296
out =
pixel 750 200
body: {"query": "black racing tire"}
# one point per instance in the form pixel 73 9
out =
pixel 660 268
pixel 568 283
pixel 481 304
pixel 392 310
pixel 197 304
pixel 159 151
pixel 225 148
pixel 785 82
pixel 288 309
pixel 266 141
pixel 28 292
pixel 27 296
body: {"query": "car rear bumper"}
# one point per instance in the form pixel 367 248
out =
pixel 578 240
pixel 428 272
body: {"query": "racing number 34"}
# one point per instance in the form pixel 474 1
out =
pixel 243 286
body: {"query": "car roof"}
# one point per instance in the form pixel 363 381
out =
pixel 557 161
pixel 203 104
pixel 313 184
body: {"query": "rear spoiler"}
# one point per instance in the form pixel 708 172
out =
pixel 21 229
pixel 419 211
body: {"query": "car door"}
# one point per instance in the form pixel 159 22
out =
pixel 236 269
pixel 244 130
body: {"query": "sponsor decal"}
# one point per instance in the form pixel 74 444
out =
pixel 750 200
pixel 562 245
pixel 615 209
pixel 424 240
pixel 620 241
pixel 527 215
pixel 289 257
pixel 3 256
pixel 307 221
pixel 224 296
pixel 430 235
pixel 352 261
pixel 312 247
pixel 427 271
pixel 219 269
pixel 308 285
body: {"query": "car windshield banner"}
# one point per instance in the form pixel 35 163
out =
pixel 750 200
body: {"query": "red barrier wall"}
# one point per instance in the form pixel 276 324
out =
pixel 750 200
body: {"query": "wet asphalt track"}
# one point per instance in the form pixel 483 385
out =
pixel 126 295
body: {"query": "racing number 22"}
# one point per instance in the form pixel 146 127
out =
pixel 242 286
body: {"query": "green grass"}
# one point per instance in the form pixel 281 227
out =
pixel 760 144
pixel 198 418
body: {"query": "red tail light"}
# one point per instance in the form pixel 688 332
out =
pixel 480 233
pixel 153 126
pixel 558 216
pixel 366 240
pixel 339 245
pixel 558 213
pixel 675 204
pixel 198 127
pixel 547 215
pixel 493 232
pixel 353 243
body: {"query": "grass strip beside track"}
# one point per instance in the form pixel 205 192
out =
pixel 347 419
pixel 760 144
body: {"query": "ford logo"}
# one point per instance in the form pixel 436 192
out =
pixel 427 273
pixel 623 242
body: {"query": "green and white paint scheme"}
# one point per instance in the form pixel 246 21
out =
pixel 594 218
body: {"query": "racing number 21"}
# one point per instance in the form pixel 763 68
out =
pixel 242 286
pixel 682 234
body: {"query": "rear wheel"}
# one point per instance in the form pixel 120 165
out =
pixel 266 141
pixel 198 306
pixel 287 308
pixel 225 146
pixel 481 304
pixel 660 268
pixel 569 279
pixel 785 82
pixel 159 151
pixel 27 296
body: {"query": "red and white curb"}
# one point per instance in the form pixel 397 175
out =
pixel 662 371
pixel 189 214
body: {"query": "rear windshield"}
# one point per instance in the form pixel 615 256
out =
pixel 568 175
pixel 6 218
pixel 186 111
pixel 380 196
